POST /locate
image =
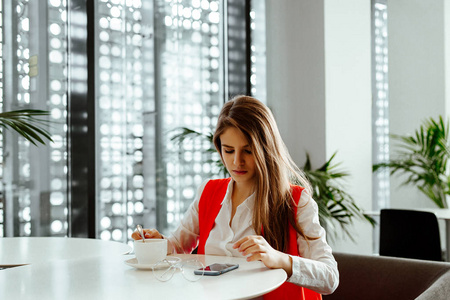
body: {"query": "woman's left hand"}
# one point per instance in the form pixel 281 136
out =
pixel 259 249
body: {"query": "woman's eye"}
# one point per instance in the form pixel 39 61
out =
pixel 229 151
pixel 248 151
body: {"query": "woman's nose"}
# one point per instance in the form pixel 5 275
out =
pixel 238 159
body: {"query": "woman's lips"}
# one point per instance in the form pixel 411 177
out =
pixel 239 172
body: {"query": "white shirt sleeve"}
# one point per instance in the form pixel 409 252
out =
pixel 316 268
pixel 185 238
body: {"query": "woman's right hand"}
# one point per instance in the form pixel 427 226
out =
pixel 148 233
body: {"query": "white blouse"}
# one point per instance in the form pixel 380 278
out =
pixel 316 269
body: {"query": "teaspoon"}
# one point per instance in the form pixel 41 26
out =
pixel 141 232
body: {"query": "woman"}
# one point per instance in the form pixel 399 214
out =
pixel 258 213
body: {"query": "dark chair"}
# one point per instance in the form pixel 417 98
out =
pixel 410 234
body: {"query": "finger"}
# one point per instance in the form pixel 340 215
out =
pixel 255 248
pixel 246 244
pixel 255 256
pixel 250 242
pixel 152 234
pixel 136 236
pixel 239 243
pixel 148 234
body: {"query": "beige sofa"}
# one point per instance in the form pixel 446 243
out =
pixel 380 277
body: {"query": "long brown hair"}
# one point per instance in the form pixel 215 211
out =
pixel 275 169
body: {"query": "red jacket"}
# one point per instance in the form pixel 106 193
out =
pixel 209 207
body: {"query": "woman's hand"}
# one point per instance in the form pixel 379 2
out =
pixel 259 249
pixel 148 233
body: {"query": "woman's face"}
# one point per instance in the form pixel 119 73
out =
pixel 237 156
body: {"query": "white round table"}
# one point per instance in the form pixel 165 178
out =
pixel 29 250
pixel 108 277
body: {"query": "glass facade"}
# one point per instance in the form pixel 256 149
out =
pixel 155 66
pixel 35 56
pixel 190 61
pixel 258 50
pixel 380 109
pixel 124 97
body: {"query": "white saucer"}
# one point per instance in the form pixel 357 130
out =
pixel 133 262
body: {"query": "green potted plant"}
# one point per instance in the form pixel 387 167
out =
pixel 336 206
pixel 423 158
pixel 27 123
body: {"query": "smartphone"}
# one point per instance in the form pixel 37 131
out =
pixel 216 269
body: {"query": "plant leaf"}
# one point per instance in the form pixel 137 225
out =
pixel 26 123
pixel 423 158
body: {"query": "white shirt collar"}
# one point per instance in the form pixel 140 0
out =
pixel 249 202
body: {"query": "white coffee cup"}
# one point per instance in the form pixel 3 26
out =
pixel 150 251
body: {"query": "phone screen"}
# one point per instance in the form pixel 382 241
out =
pixel 216 269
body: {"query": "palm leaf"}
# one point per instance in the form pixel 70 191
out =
pixel 27 123
pixel 184 134
pixel 423 159
pixel 336 206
